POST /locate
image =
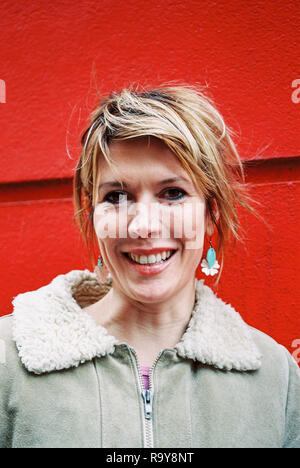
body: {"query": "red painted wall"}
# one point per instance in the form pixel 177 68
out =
pixel 51 56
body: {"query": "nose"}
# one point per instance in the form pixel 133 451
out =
pixel 145 220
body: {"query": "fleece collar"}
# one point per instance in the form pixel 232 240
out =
pixel 52 332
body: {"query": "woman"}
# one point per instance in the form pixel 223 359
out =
pixel 140 353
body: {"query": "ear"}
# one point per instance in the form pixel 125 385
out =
pixel 209 224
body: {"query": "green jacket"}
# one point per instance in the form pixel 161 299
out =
pixel 66 383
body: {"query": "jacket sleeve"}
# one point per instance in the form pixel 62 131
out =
pixel 292 428
pixel 5 387
pixel 4 416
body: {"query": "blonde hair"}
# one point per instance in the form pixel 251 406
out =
pixel 187 121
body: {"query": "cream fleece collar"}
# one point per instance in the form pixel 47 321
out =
pixel 52 332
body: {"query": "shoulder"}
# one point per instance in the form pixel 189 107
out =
pixel 6 329
pixel 268 345
pixel 8 350
pixel 276 359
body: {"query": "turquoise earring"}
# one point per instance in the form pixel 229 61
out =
pixel 101 272
pixel 210 264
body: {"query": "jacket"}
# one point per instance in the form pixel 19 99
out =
pixel 66 383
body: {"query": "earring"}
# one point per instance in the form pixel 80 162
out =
pixel 101 272
pixel 210 265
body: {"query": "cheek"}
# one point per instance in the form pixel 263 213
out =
pixel 110 222
pixel 105 222
pixel 187 222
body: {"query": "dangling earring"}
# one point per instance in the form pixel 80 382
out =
pixel 210 265
pixel 101 272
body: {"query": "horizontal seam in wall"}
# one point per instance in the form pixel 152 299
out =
pixel 257 172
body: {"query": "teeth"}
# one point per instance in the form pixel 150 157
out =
pixel 147 259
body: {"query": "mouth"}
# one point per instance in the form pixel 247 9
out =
pixel 151 264
pixel 152 259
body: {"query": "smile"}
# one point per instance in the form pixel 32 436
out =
pixel 149 265
pixel 151 259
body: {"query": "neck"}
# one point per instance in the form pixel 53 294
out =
pixel 155 325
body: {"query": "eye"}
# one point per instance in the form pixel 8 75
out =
pixel 116 197
pixel 174 193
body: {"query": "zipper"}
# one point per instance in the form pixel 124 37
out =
pixel 147 396
pixel 147 401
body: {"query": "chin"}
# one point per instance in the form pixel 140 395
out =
pixel 153 292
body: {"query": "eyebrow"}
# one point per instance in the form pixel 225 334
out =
pixel 171 180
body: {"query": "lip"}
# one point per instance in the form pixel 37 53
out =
pixel 150 269
pixel 150 251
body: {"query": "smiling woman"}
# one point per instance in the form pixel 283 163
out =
pixel 139 353
pixel 148 210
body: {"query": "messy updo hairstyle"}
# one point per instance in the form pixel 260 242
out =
pixel 187 121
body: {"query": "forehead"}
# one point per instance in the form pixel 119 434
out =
pixel 142 156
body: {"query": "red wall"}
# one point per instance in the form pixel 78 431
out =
pixel 51 56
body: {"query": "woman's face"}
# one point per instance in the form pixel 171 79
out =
pixel 159 212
